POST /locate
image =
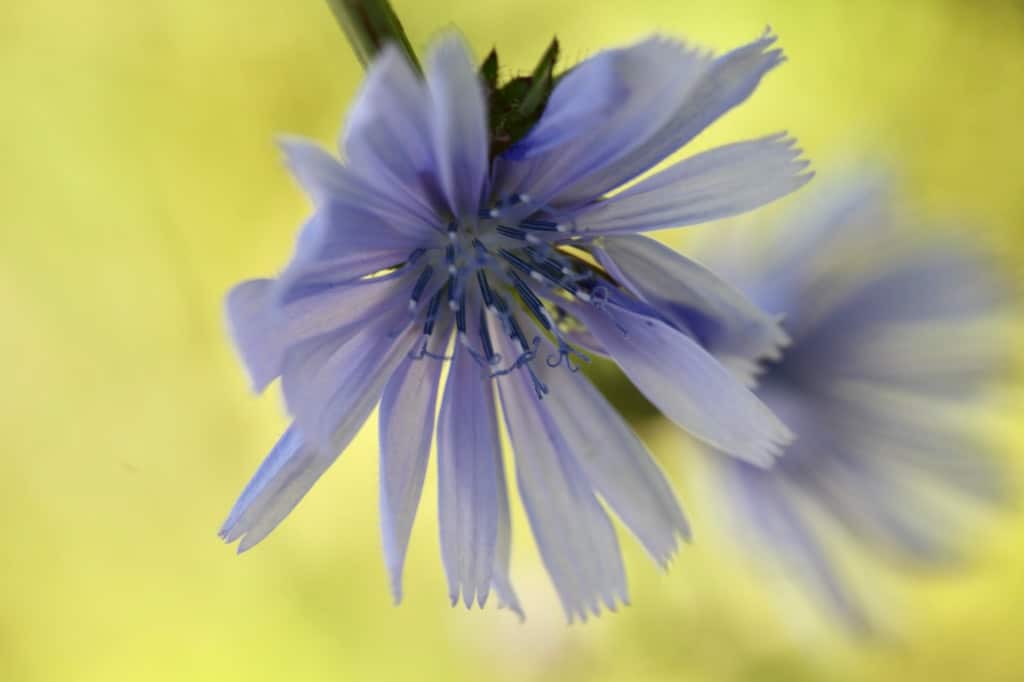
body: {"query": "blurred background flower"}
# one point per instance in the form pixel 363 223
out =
pixel 897 325
pixel 140 181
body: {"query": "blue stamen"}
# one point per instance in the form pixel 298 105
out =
pixel 483 256
pixel 565 351
pixel 510 201
pixel 421 284
pixel 524 359
pixel 539 387
pixel 542 225
pixel 455 293
pixel 449 257
pixel 490 356
pixel 515 260
pixel 533 303
pixel 460 316
pixel 516 333
pixel 485 288
pixel 510 232
pixel 435 303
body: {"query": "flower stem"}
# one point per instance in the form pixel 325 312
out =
pixel 369 26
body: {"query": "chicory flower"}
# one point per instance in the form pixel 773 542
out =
pixel 424 252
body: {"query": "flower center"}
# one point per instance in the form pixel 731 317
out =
pixel 502 263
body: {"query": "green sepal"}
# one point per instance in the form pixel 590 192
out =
pixel 489 71
pixel 517 105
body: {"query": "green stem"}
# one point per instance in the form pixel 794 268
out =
pixel 369 26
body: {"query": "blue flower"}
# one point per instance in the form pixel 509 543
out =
pixel 895 328
pixel 422 250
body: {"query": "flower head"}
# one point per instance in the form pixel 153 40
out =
pixel 424 251
pixel 894 331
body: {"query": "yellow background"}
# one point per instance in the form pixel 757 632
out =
pixel 138 181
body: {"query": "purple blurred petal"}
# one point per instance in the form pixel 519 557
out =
pixel 894 331
pixel 780 530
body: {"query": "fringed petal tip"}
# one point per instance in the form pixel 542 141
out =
pixel 665 558
pixel 772 445
pixel 749 367
pixel 664 554
pixel 236 530
pixel 768 36
pixel 230 534
pixel 395 583
pixel 785 150
pixel 507 603
pixel 232 530
pixel 514 608
pixel 718 183
pixel 774 345
pixel 314 169
pixel 481 601
pixel 609 601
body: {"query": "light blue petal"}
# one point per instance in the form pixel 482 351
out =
pixel 582 338
pixel 584 99
pixel 471 505
pixel 332 382
pixel 387 135
pixel 623 111
pixel 686 383
pixel 501 581
pixel 459 130
pixel 721 85
pixel 406 430
pixel 349 235
pixel 693 299
pixel 284 477
pixel 264 328
pixel 600 111
pixel 468 452
pixel 719 183
pixel 252 322
pixel 576 540
pixel 614 460
pixel 327 181
pixel 295 464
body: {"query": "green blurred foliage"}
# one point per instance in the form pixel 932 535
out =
pixel 139 181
